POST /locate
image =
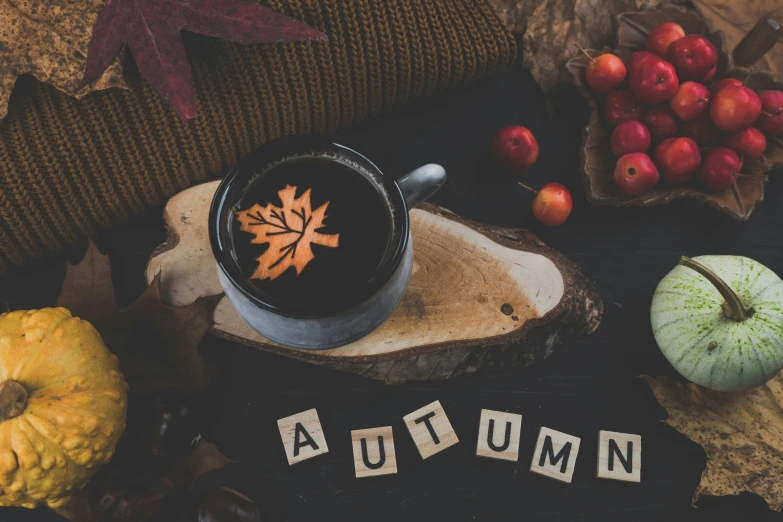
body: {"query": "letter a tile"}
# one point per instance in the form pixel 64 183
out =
pixel 373 452
pixel 619 456
pixel 555 455
pixel 303 437
pixel 430 429
pixel 498 436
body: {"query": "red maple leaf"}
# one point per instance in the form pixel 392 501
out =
pixel 151 28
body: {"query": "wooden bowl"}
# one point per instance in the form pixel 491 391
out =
pixel 597 160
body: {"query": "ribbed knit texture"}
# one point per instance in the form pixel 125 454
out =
pixel 69 168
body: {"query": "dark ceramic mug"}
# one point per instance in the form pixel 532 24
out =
pixel 296 325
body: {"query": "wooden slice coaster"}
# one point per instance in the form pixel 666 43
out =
pixel 480 298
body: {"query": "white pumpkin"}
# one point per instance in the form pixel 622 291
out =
pixel 719 321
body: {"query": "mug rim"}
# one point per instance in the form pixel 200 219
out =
pixel 277 149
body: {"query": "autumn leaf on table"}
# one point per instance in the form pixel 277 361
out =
pixel 741 432
pixel 88 291
pixel 289 230
pixel 151 28
pixel 49 39
pixel 514 13
pixel 158 349
pixel 736 18
pixel 157 344
pixel 553 28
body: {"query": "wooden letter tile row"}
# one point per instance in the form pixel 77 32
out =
pixel 619 454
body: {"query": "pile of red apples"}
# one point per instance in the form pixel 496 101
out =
pixel 673 120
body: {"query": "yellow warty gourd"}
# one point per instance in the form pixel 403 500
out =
pixel 63 402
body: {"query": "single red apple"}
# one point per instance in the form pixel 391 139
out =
pixel 723 82
pixel 605 73
pixel 735 107
pixel 515 147
pixel 661 36
pixel 748 143
pixel 691 100
pixel 771 119
pixel 702 131
pixel 622 106
pixel 630 136
pixel 693 57
pixel 636 58
pixel 632 64
pixel 651 79
pixel 635 174
pixel 552 204
pixel 662 122
pixel 710 75
pixel 720 169
pixel 678 159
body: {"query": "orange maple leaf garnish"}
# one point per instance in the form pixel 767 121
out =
pixel 289 230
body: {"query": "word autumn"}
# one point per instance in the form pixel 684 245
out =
pixel 619 454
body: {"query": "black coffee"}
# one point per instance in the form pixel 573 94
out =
pixel 311 232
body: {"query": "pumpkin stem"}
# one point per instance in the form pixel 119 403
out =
pixel 733 307
pixel 13 399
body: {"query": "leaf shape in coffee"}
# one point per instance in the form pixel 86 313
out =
pixel 289 230
pixel 741 432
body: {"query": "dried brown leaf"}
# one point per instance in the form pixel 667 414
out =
pixel 87 290
pixel 741 432
pixel 205 457
pixel 158 344
pixel 555 27
pixel 735 18
pixel 514 13
pixel 49 39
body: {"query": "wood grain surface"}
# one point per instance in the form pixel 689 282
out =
pixel 480 298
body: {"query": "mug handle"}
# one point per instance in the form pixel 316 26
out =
pixel 418 185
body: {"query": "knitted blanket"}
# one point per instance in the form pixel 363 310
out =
pixel 69 168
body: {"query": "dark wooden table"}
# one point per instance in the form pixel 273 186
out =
pixel 585 386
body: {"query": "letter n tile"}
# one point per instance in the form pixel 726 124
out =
pixel 619 456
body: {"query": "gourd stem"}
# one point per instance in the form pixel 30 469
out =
pixel 733 307
pixel 13 399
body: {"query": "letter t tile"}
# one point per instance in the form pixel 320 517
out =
pixel 430 429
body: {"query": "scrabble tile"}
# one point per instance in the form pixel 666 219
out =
pixel 373 452
pixel 555 455
pixel 498 436
pixel 303 437
pixel 619 456
pixel 430 429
